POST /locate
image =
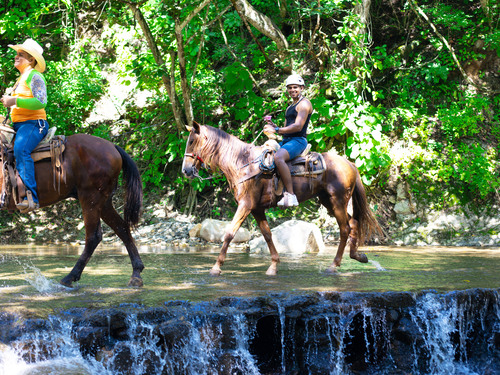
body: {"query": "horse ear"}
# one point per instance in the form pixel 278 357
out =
pixel 196 127
pixel 189 128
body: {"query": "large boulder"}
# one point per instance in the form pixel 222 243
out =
pixel 214 230
pixel 294 237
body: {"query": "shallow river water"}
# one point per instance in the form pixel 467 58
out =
pixel 29 275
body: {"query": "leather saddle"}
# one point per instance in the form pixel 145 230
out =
pixel 50 147
pixel 308 164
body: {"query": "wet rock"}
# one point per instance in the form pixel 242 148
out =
pixel 122 359
pixel 172 332
pixel 91 340
pixel 214 230
pixel 293 237
pixel 317 333
pixel 228 364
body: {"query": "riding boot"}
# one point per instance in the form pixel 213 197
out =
pixel 288 200
pixel 28 204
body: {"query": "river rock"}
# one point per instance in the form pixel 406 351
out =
pixel 195 231
pixel 214 230
pixel 294 237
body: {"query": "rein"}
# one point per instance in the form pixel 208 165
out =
pixel 258 135
pixel 4 122
pixel 203 165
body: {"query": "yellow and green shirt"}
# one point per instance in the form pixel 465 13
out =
pixel 31 93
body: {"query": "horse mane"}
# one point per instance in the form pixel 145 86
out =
pixel 225 152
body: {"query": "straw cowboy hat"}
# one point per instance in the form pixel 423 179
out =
pixel 35 50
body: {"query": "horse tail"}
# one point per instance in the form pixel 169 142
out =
pixel 133 188
pixel 367 223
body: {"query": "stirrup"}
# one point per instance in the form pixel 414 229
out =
pixel 27 204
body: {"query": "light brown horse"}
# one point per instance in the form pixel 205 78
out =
pixel 211 147
pixel 91 168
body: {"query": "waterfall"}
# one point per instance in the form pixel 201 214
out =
pixel 319 333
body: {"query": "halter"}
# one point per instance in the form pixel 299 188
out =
pixel 203 165
pixel 196 157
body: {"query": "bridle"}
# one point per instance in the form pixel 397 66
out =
pixel 195 157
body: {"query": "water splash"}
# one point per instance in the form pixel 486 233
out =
pixel 51 351
pixel 281 315
pixel 377 265
pixel 41 283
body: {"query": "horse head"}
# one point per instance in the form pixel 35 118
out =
pixel 193 160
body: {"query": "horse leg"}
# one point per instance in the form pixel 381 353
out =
pixel 353 239
pixel 241 214
pixel 116 222
pixel 260 216
pixel 340 214
pixel 93 236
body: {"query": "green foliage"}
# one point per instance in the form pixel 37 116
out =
pixel 457 167
pixel 74 87
pixel 447 131
pixel 368 94
pixel 351 118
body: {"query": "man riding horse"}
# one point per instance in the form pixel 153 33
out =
pixel 294 132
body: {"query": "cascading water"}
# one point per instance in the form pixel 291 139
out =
pixel 446 328
pixel 320 333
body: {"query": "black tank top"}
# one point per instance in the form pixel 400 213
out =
pixel 291 116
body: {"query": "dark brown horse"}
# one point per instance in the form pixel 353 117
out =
pixel 334 187
pixel 91 167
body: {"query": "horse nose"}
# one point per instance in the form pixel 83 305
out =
pixel 188 172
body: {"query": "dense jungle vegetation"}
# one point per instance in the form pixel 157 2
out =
pixel 403 88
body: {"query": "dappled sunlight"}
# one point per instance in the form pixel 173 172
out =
pixel 32 283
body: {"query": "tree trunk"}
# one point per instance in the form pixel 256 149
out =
pixel 358 51
pixel 362 9
pixel 185 85
pixel 169 85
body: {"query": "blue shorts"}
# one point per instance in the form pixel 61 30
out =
pixel 294 145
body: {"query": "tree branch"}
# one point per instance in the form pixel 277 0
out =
pixel 169 85
pixel 267 27
pixel 262 93
pixel 421 13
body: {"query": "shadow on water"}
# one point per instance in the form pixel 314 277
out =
pixel 29 278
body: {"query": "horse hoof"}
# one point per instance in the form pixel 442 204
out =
pixel 271 272
pixel 215 272
pixel 66 283
pixel 135 282
pixel 332 270
pixel 361 257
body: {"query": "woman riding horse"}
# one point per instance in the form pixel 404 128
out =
pixel 27 102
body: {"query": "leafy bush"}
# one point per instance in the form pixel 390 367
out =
pixel 74 86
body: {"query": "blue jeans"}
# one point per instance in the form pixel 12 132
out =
pixel 28 135
pixel 294 145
